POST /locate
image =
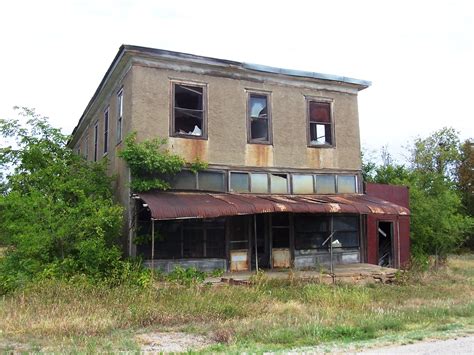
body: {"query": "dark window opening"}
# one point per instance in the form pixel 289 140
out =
pixel 280 230
pixel 346 231
pixel 188 110
pixel 96 141
pixel 311 231
pixel 259 119
pixel 320 123
pixel 195 238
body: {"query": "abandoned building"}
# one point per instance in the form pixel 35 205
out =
pixel 283 187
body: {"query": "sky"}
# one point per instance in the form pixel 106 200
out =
pixel 419 55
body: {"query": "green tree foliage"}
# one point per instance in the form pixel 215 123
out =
pixel 58 218
pixel 152 165
pixel 466 182
pixel 438 222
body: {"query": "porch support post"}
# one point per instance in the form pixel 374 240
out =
pixel 255 239
pixel 152 248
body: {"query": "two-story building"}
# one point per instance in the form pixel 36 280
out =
pixel 283 181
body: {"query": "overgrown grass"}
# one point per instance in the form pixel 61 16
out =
pixel 272 315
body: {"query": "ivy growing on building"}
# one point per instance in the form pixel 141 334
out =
pixel 152 165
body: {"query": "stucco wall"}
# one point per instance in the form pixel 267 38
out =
pixel 227 130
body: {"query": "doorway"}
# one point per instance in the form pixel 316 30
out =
pixel 260 242
pixel 385 244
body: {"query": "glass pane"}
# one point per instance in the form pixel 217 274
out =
pixel 279 183
pixel 239 182
pixel 346 184
pixel 325 184
pixel 311 231
pixel 259 183
pixel 259 129
pixel 346 223
pixel 258 106
pixel 211 181
pixel 184 180
pixel 347 239
pixel 320 112
pixel 303 184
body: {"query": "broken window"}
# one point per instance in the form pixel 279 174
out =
pixel 259 183
pixel 325 184
pixel 211 180
pixel 279 183
pixel 320 123
pixel 346 231
pixel 239 182
pixel 303 184
pixel 188 110
pixel 311 231
pixel 346 184
pixel 259 119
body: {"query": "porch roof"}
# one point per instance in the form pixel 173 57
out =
pixel 176 205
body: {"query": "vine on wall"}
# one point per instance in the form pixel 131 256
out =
pixel 151 164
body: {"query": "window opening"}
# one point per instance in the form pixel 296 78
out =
pixel 320 130
pixel 188 110
pixel 259 118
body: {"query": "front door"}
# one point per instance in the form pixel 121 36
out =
pixel 385 244
pixel 260 242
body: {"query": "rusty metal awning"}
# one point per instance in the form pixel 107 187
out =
pixel 174 205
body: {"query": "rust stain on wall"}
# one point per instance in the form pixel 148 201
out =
pixel 281 258
pixel 259 155
pixel 190 149
pixel 313 158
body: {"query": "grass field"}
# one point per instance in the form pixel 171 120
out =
pixel 271 315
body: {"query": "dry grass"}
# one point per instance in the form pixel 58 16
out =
pixel 271 315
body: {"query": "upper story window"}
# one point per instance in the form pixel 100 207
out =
pixel 320 123
pixel 188 117
pixel 259 119
pixel 119 116
pixel 96 140
pixel 106 130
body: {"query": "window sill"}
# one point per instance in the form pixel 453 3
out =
pixel 259 143
pixel 188 136
pixel 321 146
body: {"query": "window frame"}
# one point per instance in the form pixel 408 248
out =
pixel 324 100
pixel 106 132
pixel 268 96
pixel 119 132
pixel 204 86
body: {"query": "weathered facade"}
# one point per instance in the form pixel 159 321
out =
pixel 283 154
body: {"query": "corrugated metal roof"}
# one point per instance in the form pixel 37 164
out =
pixel 174 205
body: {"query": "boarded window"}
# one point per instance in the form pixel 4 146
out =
pixel 188 110
pixel 303 184
pixel 279 183
pixel 320 123
pixel 211 181
pixel 346 184
pixel 184 180
pixel 259 183
pixel 325 184
pixel 239 182
pixel 259 118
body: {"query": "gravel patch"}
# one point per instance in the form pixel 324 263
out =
pixel 172 342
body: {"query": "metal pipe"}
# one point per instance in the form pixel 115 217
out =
pixel 330 238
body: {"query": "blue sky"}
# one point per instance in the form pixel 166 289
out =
pixel 419 55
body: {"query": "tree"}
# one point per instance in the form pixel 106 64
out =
pixel 58 215
pixel 438 153
pixel 465 179
pixel 438 222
